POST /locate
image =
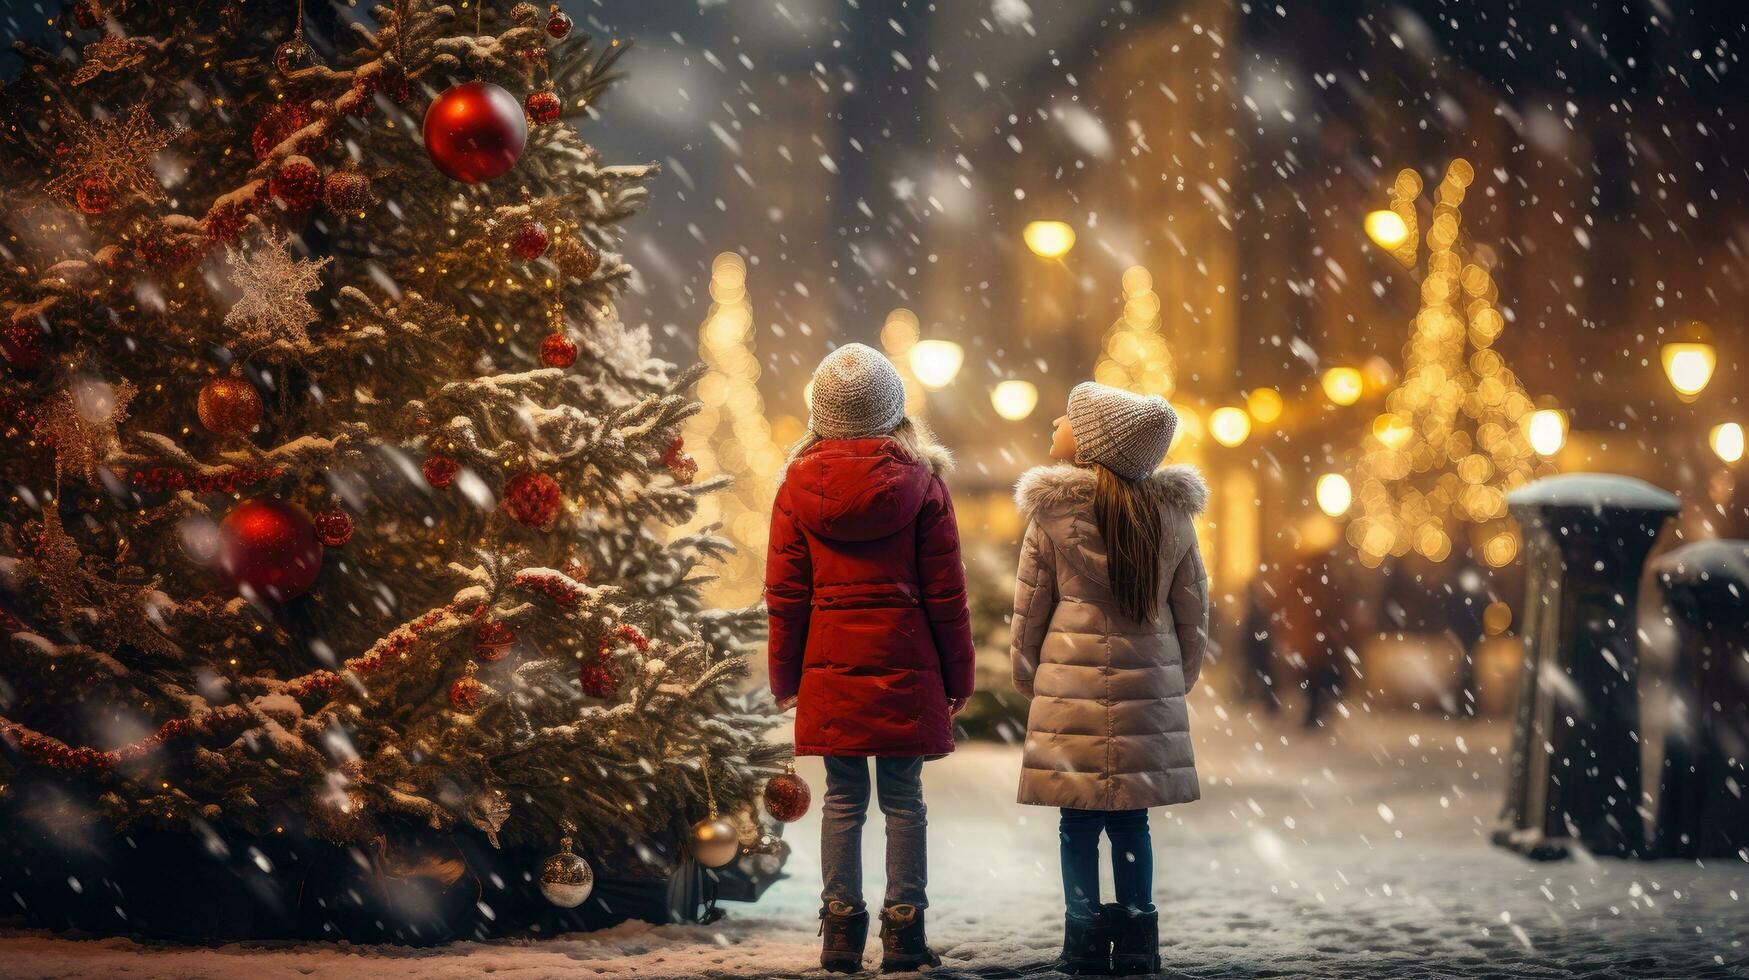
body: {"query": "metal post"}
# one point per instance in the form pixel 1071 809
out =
pixel 1576 741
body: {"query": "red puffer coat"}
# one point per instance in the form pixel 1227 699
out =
pixel 867 597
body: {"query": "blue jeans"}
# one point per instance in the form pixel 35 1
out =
pixel 899 784
pixel 1132 859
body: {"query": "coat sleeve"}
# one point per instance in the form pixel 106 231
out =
pixel 942 576
pixel 1189 598
pixel 789 599
pixel 1035 597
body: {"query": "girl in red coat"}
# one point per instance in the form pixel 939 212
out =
pixel 871 639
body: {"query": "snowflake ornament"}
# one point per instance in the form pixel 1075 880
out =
pixel 82 425
pixel 274 309
pixel 112 53
pixel 117 153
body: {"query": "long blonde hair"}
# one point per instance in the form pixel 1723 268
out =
pixel 914 439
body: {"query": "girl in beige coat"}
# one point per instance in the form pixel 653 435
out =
pixel 1110 625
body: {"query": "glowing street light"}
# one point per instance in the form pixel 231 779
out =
pixel 1334 494
pixel 1689 366
pixel 936 362
pixel 1264 404
pixel 1343 385
pixel 1547 430
pixel 1387 229
pixel 1014 400
pixel 1727 441
pixel 1229 425
pixel 1049 239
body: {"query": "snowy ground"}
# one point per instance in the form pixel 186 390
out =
pixel 1358 853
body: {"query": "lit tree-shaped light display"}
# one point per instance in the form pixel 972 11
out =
pixel 1453 438
pixel 1134 354
pixel 730 434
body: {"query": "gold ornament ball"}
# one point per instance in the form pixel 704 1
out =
pixel 292 56
pixel 566 879
pixel 228 406
pixel 714 842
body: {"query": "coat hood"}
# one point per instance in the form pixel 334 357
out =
pixel 859 489
pixel 1063 486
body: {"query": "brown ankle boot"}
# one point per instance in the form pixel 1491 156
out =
pixel 845 928
pixel 904 947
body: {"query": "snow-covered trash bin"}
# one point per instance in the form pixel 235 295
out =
pixel 1703 794
pixel 1575 777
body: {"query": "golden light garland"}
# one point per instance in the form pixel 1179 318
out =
pixel 1134 354
pixel 1452 439
pixel 731 435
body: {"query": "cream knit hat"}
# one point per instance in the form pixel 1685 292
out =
pixel 1126 433
pixel 856 393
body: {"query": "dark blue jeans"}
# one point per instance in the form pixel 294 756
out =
pixel 899 785
pixel 1132 859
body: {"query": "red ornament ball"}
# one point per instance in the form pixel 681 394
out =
pixel 466 692
pixel 229 406
pixel 284 119
pixel 530 241
pixel 347 192
pixel 533 499
pixel 93 195
pixel 559 25
pixel 558 350
pixel 787 797
pixel 600 678
pixel 440 471
pixel 268 549
pixel 493 640
pixel 543 106
pixel 298 184
pixel 333 526
pixel 475 132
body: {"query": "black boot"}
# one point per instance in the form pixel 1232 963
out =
pixel 1135 944
pixel 845 932
pixel 1086 945
pixel 903 945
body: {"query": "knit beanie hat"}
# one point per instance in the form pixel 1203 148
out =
pixel 856 393
pixel 1126 433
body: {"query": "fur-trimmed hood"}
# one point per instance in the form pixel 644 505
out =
pixel 1064 486
pixel 860 489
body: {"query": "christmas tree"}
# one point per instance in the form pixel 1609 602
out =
pixel 337 492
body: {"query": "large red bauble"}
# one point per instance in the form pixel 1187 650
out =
pixel 533 499
pixel 475 132
pixel 787 797
pixel 558 350
pixel 268 549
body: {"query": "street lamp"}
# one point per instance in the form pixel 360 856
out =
pixel 1229 425
pixel 1014 400
pixel 1343 385
pixel 1334 494
pixel 1049 239
pixel 1387 229
pixel 1727 441
pixel 936 362
pixel 1689 366
pixel 1547 430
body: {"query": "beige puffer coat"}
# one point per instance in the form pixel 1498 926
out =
pixel 1108 729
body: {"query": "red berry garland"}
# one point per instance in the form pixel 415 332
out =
pixel 225 222
pixel 533 499
pixel 493 640
pixel 440 471
pixel 787 797
pixel 298 184
pixel 531 240
pixel 284 119
pixel 543 106
pixel 558 350
pixel 333 526
pixel 600 678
